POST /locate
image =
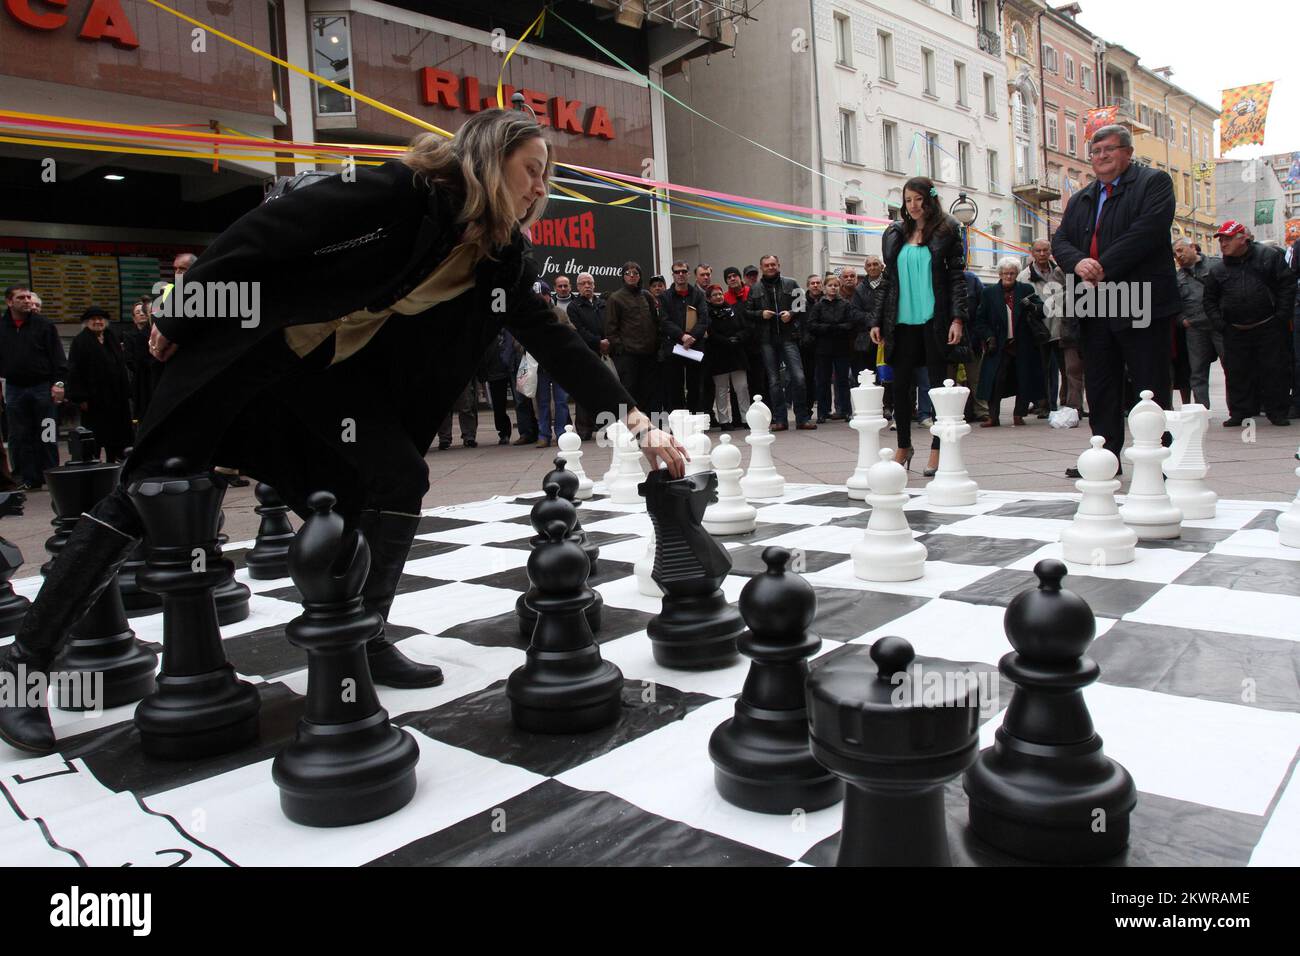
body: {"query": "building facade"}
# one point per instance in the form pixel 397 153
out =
pixel 1070 89
pixel 1021 21
pixel 1287 168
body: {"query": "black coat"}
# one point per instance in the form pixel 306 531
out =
pixel 1133 243
pixel 32 355
pixel 775 297
pixel 672 309
pixel 833 327
pixel 144 368
pixel 325 250
pixel 98 381
pixel 1249 288
pixel 589 319
pixel 865 305
pixel 991 323
pixel 947 277
pixel 729 332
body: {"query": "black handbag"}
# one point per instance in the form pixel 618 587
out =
pixel 1035 319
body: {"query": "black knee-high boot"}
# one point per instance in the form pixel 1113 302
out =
pixel 88 564
pixel 389 535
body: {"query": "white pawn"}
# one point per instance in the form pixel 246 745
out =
pixel 698 445
pixel 612 433
pixel 1288 524
pixel 571 451
pixel 623 489
pixel 887 551
pixel 1148 510
pixel 868 419
pixel 762 480
pixel 1186 468
pixel 731 513
pixel 1098 535
pixel 952 485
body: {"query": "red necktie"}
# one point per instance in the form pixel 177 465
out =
pixel 1096 229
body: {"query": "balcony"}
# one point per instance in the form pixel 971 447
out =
pixel 1033 190
pixel 990 42
pixel 1128 114
pixel 714 21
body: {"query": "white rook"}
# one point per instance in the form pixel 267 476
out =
pixel 1186 468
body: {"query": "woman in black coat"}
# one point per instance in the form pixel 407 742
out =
pixel 365 304
pixel 99 385
pixel 922 308
pixel 1011 356
pixel 833 328
pixel 144 368
pixel 729 331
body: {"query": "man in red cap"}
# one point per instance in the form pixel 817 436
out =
pixel 1249 297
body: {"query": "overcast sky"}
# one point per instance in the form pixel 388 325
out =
pixel 1213 47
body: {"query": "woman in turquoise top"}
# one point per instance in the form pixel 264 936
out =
pixel 923 309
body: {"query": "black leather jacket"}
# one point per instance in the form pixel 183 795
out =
pixel 947 273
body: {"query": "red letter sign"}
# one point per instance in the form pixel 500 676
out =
pixel 106 21
pixel 21 11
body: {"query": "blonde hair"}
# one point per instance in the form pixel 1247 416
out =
pixel 472 164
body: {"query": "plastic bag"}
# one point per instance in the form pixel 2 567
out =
pixel 526 377
pixel 1064 417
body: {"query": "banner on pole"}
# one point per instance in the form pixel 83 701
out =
pixel 1244 112
pixel 1264 212
pixel 1095 119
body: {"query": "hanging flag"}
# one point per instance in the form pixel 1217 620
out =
pixel 1264 212
pixel 1095 119
pixel 1242 118
pixel 1292 230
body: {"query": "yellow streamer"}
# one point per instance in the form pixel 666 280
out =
pixel 180 153
pixel 501 103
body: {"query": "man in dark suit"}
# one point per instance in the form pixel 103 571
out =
pixel 1114 242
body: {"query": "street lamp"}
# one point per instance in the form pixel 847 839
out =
pixel 965 212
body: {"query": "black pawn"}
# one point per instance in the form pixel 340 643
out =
pixel 347 764
pixel 895 737
pixel 696 628
pixel 569 485
pixel 102 641
pixel 200 708
pixel 761 756
pixel 136 599
pixel 13 607
pixel 544 511
pixel 231 596
pixel 269 558
pixel 564 687
pixel 1045 790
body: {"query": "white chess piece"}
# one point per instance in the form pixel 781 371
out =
pixel 731 513
pixel 1147 509
pixel 952 485
pixel 571 451
pixel 1186 468
pixel 762 480
pixel 868 419
pixel 887 551
pixel 623 489
pixel 1098 535
pixel 612 432
pixel 1288 524
pixel 698 445
pixel 679 424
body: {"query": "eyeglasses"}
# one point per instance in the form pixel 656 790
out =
pixel 1106 150
pixel 680 272
pixel 632 272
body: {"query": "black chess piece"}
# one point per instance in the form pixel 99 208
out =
pixel 696 628
pixel 347 763
pixel 1045 790
pixel 102 641
pixel 545 510
pixel 564 687
pixel 761 756
pixel 11 504
pixel 269 558
pixel 895 737
pixel 569 485
pixel 12 606
pixel 136 599
pixel 200 708
pixel 231 596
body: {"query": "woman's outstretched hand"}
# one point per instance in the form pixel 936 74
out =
pixel 659 446
pixel 159 346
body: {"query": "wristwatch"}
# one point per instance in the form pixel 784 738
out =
pixel 58 385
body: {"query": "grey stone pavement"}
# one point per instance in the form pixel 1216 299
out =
pixel 1030 458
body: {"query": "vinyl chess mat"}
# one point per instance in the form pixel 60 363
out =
pixel 1198 698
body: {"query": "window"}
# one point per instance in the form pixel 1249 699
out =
pixel 1069 68
pixel 959 79
pixel 1187 188
pixel 956 9
pixel 331 58
pixel 999 248
pixel 885 46
pixel 1173 130
pixel 1049 59
pixel 1144 115
pixel 851 235
pixel 843 40
pixel 927 71
pixel 1019 45
pixel 848 136
pixel 1184 136
pixel 1072 138
pixel 990 94
pixel 1020 113
pixel 934 166
pixel 995 184
pixel 963 164
pixel 1051 131
pixel 889 144
pixel 279 75
pixel 1025 218
pixel 1085 77
pixel 1196 193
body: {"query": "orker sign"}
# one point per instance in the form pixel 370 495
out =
pixel 105 20
pixel 446 89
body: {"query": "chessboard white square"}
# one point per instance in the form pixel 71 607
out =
pixel 1221 609
pixel 1221 755
pixel 669 773
pixel 634 656
pixel 242 816
pixel 1152 565
pixel 496 508
pixel 1256 543
pixel 262 612
pixel 802 514
pixel 1007 526
pixel 493 532
pixel 435 610
pixel 939 577
pixel 635 523
pixel 626 552
pixel 471 561
pixel 1229 515
pixel 1279 844
pixel 835 539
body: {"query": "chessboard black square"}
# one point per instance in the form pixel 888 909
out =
pixel 431 523
pixel 481 723
pixel 516 579
pixel 595 537
pixel 1231 668
pixel 502 630
pixel 762 532
pixel 405 585
pixel 113 753
pixel 844 614
pixel 1190 539
pixel 1266 520
pixel 1051 508
pixel 972 549
pixel 1237 573
pixel 833 499
pixel 1107 597
pixel 747 560
pixel 553 824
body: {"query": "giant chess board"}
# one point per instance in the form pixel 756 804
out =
pixel 1198 642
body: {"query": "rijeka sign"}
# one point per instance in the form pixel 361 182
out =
pixel 105 20
pixel 446 89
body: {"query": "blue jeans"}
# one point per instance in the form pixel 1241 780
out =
pixel 32 417
pixel 546 390
pixel 924 407
pixel 784 367
pixel 826 365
